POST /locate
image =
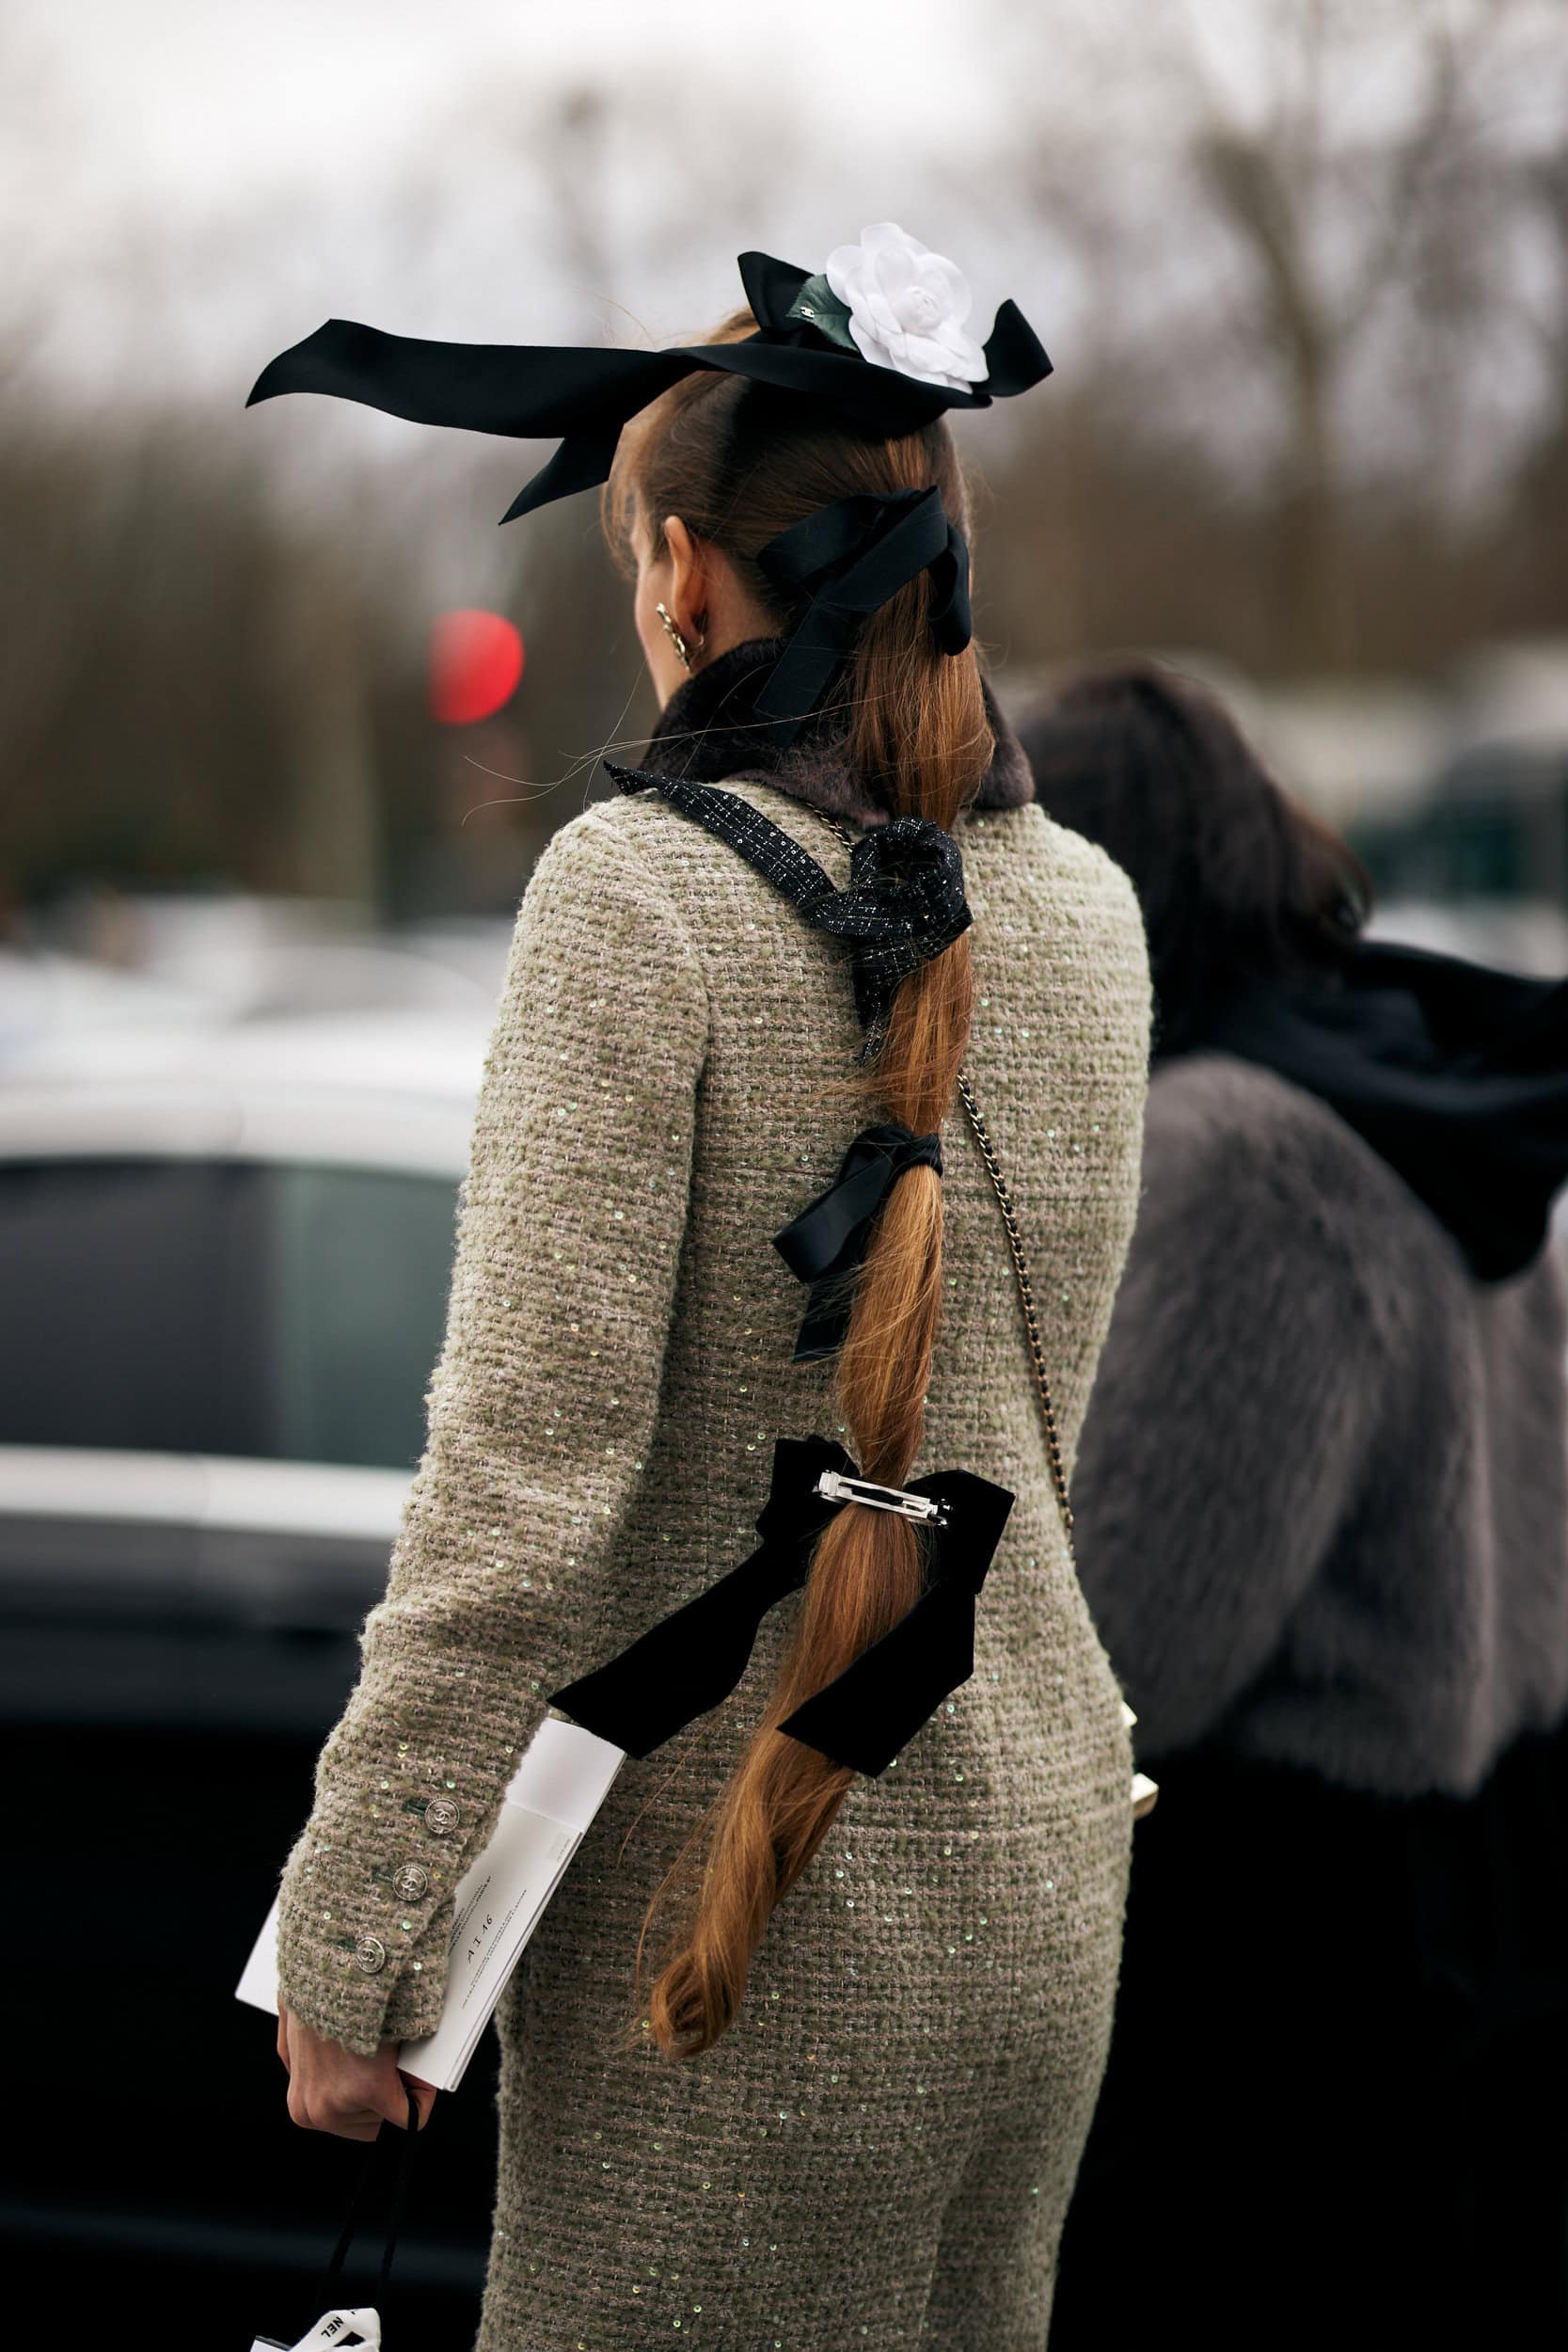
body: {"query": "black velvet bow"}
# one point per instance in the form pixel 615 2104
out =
pixel 904 905
pixel 828 1241
pixel 692 1660
pixel 876 1707
pixel 530 391
pixel 849 559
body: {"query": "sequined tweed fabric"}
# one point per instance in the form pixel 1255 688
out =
pixel 881 2152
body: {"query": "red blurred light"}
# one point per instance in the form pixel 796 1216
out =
pixel 476 660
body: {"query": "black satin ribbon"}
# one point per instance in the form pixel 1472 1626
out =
pixel 905 903
pixel 692 1660
pixel 530 391
pixel 875 1707
pixel 826 1243
pixel 848 559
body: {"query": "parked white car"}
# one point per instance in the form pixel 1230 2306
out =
pixel 224 1258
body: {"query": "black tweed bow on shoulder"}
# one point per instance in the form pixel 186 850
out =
pixel 904 903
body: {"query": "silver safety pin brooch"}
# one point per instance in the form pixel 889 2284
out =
pixel 837 1488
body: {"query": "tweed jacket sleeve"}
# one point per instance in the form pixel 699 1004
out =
pixel 540 1409
pixel 1236 1415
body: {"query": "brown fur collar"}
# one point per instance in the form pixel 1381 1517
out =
pixel 708 733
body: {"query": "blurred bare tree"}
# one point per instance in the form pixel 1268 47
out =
pixel 1390 198
pixel 1536 576
pixel 1299 267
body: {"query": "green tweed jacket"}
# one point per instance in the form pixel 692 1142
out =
pixel 885 2142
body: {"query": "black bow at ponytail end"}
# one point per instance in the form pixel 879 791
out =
pixel 689 1662
pixel 692 1660
pixel 874 1709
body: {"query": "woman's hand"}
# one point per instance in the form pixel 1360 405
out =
pixel 330 2090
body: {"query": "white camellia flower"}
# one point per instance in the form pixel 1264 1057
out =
pixel 907 308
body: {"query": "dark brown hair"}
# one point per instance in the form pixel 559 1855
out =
pixel 739 464
pixel 1238 883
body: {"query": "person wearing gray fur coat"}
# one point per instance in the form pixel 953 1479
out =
pixel 1322 1498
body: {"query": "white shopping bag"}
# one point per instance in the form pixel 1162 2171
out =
pixel 359 2329
pixel 333 2328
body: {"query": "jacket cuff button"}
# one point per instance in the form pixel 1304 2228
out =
pixel 441 1816
pixel 370 1954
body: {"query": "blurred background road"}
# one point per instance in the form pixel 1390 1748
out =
pixel 1303 266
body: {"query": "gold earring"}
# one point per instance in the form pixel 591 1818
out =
pixel 682 655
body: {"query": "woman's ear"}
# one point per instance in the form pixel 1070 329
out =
pixel 707 598
pixel 690 585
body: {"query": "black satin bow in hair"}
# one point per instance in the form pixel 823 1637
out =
pixel 530 391
pixel 878 1703
pixel 904 905
pixel 849 559
pixel 692 1660
pixel 826 1243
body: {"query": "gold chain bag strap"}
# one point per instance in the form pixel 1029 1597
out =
pixel 1026 1300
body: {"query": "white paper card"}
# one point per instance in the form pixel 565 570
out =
pixel 552 1798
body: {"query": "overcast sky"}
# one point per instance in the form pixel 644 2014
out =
pixel 184 100
pixel 134 131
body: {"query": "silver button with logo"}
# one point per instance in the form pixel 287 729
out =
pixel 370 1953
pixel 410 1880
pixel 441 1816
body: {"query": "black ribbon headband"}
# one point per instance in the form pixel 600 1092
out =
pixel 690 1661
pixel 536 391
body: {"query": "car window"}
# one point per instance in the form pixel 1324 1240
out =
pixel 361 1262
pixel 282 1311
